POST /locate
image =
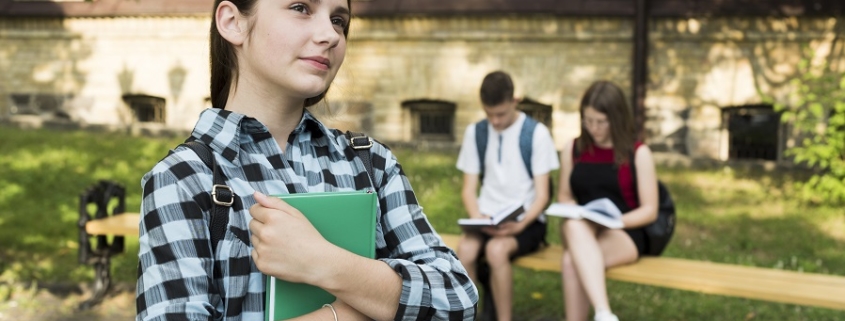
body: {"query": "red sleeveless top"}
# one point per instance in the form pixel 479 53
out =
pixel 595 175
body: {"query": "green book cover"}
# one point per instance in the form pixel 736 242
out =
pixel 346 219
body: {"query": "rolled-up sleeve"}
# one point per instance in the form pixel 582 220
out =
pixel 435 286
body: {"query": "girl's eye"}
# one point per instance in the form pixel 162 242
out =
pixel 299 8
pixel 340 22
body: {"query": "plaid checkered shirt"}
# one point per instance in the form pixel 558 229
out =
pixel 175 275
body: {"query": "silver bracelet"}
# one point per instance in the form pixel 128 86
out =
pixel 332 308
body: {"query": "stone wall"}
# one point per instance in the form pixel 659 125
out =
pixel 95 61
pixel 552 60
pixel 696 68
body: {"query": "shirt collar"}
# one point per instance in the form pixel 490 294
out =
pixel 311 130
pixel 516 126
pixel 222 129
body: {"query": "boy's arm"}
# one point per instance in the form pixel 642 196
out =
pixel 470 197
pixel 541 188
pixel 541 185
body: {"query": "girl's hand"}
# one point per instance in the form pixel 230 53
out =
pixel 285 244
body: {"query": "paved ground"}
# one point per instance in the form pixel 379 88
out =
pixel 20 302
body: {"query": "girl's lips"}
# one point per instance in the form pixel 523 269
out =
pixel 319 62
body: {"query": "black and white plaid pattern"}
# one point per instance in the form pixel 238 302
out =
pixel 175 277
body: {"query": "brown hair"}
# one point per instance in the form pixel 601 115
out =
pixel 608 99
pixel 496 88
pixel 224 63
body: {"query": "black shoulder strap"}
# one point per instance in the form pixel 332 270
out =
pixel 222 196
pixel 633 166
pixel 361 144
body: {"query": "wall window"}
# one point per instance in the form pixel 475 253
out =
pixel 539 111
pixel 754 132
pixel 431 119
pixel 39 104
pixel 147 109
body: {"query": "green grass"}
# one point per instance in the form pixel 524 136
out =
pixel 732 216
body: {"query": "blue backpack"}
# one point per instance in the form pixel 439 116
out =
pixel 526 144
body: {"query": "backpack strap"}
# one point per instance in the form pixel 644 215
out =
pixel 481 133
pixel 526 142
pixel 222 195
pixel 361 144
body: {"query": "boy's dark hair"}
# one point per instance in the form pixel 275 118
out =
pixel 496 88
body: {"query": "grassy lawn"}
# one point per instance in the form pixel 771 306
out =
pixel 742 217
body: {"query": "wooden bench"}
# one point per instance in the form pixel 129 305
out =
pixel 123 224
pixel 811 289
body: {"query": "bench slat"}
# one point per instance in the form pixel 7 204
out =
pixel 756 272
pixel 707 277
pixel 737 281
pixel 700 276
pixel 120 224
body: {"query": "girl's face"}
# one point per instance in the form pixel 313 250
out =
pixel 597 126
pixel 295 47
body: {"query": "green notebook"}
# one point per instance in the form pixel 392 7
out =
pixel 347 219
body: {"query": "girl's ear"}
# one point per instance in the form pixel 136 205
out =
pixel 230 23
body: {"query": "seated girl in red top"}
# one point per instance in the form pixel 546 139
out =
pixel 598 165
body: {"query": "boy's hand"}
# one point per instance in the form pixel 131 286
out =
pixel 509 228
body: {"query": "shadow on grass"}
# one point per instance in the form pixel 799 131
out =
pixel 42 174
pixel 738 216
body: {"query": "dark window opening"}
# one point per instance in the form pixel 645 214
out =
pixel 753 132
pixel 147 109
pixel 539 111
pixel 432 119
pixel 39 104
pixel 22 105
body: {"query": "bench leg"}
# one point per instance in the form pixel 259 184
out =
pixel 102 282
pixel 488 308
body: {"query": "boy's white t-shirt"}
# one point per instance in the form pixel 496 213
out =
pixel 506 181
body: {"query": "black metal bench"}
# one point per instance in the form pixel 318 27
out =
pixel 108 201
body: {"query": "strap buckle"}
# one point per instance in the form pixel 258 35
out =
pixel 361 142
pixel 215 193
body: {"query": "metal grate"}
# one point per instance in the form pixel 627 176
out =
pixel 39 104
pixel 753 132
pixel 147 109
pixel 432 119
pixel 537 110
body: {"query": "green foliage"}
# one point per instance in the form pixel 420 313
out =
pixel 724 215
pixel 42 174
pixel 819 95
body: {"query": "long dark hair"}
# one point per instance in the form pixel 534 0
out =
pixel 224 63
pixel 608 99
